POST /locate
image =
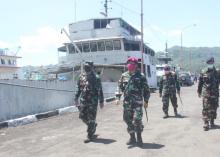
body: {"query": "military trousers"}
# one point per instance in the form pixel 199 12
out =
pixel 209 111
pixel 165 99
pixel 87 113
pixel 132 116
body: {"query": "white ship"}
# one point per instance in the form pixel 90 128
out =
pixel 107 41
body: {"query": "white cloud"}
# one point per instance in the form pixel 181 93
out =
pixel 156 28
pixel 46 37
pixel 4 44
pixel 174 33
pixel 41 48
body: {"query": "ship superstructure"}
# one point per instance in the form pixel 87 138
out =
pixel 107 41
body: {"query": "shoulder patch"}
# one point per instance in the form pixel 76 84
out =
pixel 97 76
pixel 125 74
pixel 173 73
pixel 203 71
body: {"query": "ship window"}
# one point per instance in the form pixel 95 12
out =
pixel 104 23
pixel 148 71
pixel 93 46
pixel 153 53
pixel 101 23
pixel 97 24
pixel 147 50
pixel 79 47
pixel 71 49
pixel 101 46
pixel 108 45
pixel 2 61
pixel 14 62
pixel 9 62
pixel 86 47
pixel 135 47
pixel 117 44
pixel 132 46
pixel 127 46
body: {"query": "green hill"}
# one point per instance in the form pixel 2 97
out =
pixel 196 56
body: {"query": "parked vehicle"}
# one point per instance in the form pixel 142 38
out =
pixel 185 79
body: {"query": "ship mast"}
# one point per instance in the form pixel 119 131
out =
pixel 142 39
pixel 106 8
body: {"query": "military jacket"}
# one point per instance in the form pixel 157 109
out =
pixel 89 88
pixel 209 83
pixel 134 87
pixel 169 84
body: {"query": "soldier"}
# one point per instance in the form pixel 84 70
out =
pixel 135 88
pixel 168 87
pixel 208 88
pixel 90 92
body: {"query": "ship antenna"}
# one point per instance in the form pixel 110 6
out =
pixel 106 8
pixel 166 47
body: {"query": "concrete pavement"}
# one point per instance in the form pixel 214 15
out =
pixel 63 136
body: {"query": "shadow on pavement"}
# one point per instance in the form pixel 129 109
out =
pixel 215 127
pixel 149 146
pixel 152 146
pixel 178 116
pixel 103 141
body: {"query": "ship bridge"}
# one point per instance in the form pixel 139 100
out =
pixel 101 28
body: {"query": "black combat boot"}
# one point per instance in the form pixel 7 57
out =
pixel 212 124
pixel 165 115
pixel 132 139
pixel 206 126
pixel 175 112
pixel 89 139
pixel 91 133
pixel 139 139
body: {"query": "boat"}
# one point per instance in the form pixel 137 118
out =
pixel 107 41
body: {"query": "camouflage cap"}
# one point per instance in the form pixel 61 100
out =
pixel 88 66
pixel 210 60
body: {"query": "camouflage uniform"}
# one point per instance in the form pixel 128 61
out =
pixel 90 92
pixel 208 87
pixel 167 88
pixel 135 88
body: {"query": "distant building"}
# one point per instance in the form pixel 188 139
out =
pixel 8 65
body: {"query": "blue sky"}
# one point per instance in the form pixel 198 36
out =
pixel 35 24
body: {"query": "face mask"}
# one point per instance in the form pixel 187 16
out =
pixel 166 72
pixel 131 67
pixel 210 66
